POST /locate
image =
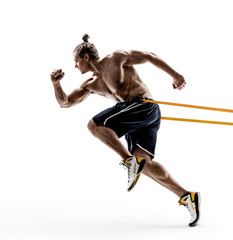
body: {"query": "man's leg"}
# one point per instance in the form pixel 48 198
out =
pixel 109 137
pixel 134 164
pixel 151 169
pixel 159 174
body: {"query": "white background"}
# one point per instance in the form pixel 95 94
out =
pixel 59 182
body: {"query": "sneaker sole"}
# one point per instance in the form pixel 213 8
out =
pixel 198 204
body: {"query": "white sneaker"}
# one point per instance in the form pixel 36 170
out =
pixel 192 201
pixel 135 166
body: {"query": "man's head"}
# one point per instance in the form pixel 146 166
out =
pixel 84 53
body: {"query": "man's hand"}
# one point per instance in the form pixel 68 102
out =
pixel 178 82
pixel 57 75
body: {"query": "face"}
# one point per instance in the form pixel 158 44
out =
pixel 82 63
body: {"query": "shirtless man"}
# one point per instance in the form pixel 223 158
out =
pixel 115 77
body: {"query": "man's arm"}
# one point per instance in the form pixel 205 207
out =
pixel 65 101
pixel 138 57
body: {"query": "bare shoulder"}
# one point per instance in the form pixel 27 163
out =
pixel 88 82
pixel 117 56
pixel 129 57
pixel 120 53
pixel 128 53
pixel 92 84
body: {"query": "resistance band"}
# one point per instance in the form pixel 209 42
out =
pixel 197 121
pixel 193 106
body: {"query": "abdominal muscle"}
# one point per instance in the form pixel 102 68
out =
pixel 133 90
pixel 131 87
pixel 124 92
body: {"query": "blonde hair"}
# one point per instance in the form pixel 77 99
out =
pixel 86 47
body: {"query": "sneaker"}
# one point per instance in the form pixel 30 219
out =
pixel 135 166
pixel 192 200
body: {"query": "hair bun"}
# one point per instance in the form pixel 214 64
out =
pixel 85 37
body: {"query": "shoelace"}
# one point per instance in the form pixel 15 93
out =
pixel 126 166
pixel 190 210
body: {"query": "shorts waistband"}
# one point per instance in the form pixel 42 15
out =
pixel 143 98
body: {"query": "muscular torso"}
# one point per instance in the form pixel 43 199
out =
pixel 129 87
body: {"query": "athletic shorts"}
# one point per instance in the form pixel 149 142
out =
pixel 138 120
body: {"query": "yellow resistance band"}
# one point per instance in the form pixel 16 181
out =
pixel 197 121
pixel 193 106
pixel 190 106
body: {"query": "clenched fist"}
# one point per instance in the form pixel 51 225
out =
pixel 57 75
pixel 178 82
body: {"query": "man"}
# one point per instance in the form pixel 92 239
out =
pixel 115 77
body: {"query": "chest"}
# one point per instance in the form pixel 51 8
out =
pixel 111 88
pixel 98 86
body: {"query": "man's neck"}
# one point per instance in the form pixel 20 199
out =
pixel 97 68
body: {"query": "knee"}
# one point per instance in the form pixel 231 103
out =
pixel 92 126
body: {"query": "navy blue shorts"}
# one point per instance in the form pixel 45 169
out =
pixel 138 120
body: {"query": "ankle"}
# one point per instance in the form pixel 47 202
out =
pixel 183 193
pixel 125 156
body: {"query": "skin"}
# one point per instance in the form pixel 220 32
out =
pixel 115 77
